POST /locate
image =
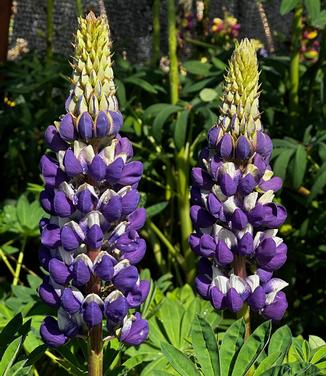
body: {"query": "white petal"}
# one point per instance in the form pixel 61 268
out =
pixel 78 146
pixel 121 265
pixel 114 295
pixel 249 201
pixel 68 190
pixel 108 152
pixel 229 205
pixel 266 198
pixel 221 282
pixel 86 154
pixel 267 175
pixel 123 191
pixel 60 156
pixel 237 283
pixel 216 189
pixel 93 298
pixel 257 238
pixel 253 281
pixel 271 232
pixel 226 235
pixel 277 285
pixel 85 259
pixel 66 256
pixel 229 168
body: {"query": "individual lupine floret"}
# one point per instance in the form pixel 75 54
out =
pixel 90 242
pixel 234 213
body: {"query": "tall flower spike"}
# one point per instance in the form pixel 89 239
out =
pixel 233 212
pixel 90 243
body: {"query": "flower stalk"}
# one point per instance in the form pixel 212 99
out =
pixel 156 7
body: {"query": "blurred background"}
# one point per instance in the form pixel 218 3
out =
pixel 169 126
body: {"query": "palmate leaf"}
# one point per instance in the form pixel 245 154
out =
pixel 180 362
pixel 231 344
pixel 252 348
pixel 205 347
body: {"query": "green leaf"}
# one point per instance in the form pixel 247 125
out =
pixel 23 212
pixel 10 355
pixel 180 129
pixel 154 110
pixel 170 314
pixel 318 186
pixel 197 68
pixel 121 92
pixel 288 5
pixel 156 209
pixel 319 355
pixel 231 344
pixel 280 341
pixel 272 360
pixel 142 84
pixel 9 250
pixel 313 8
pixel 320 21
pixel 315 342
pixel 180 362
pixel 219 64
pixel 205 347
pixel 252 348
pixel 299 168
pixel 208 95
pixel 9 330
pixel 161 118
pixel 281 163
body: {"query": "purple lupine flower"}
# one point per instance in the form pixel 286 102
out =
pixel 235 218
pixel 91 242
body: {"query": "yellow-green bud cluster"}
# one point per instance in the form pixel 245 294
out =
pixel 239 109
pixel 93 89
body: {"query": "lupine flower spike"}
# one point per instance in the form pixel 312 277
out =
pixel 235 217
pixel 90 242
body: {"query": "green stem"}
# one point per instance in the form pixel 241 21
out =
pixel 182 162
pixel 19 263
pixel 49 29
pixel 95 335
pixel 172 33
pixel 7 263
pixel 79 8
pixel 156 31
pixel 295 67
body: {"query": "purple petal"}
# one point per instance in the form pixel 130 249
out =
pixel 207 245
pixel 273 184
pixel 44 255
pixel 200 217
pixel 117 121
pixel 53 139
pixel 85 126
pixel 276 310
pixel 228 184
pixel 256 300
pixel 223 253
pixel 97 169
pixel 214 135
pixel 50 236
pixel 264 275
pixel 131 173
pixel 137 333
pixel 114 170
pixel 124 147
pixel 94 237
pixel 62 206
pixel 233 300
pixel 80 273
pixel 225 146
pixel 256 215
pixel 92 314
pixel 130 202
pixel 202 284
pixel 51 334
pixel 247 184
pixel 137 219
pixel 217 298
pixel 72 164
pixel 48 294
pixel 116 311
pixel 214 205
pixel 243 149
pixel 70 240
pixel 239 219
pixel 69 301
pixel 201 178
pixel 85 201
pixel 246 245
pixel 113 209
pixel 126 278
pixel 59 271
pixel 275 215
pixel 46 199
pixel 101 124
pixel 67 129
pixel 104 268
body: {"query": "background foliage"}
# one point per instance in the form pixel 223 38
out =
pixel 186 336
